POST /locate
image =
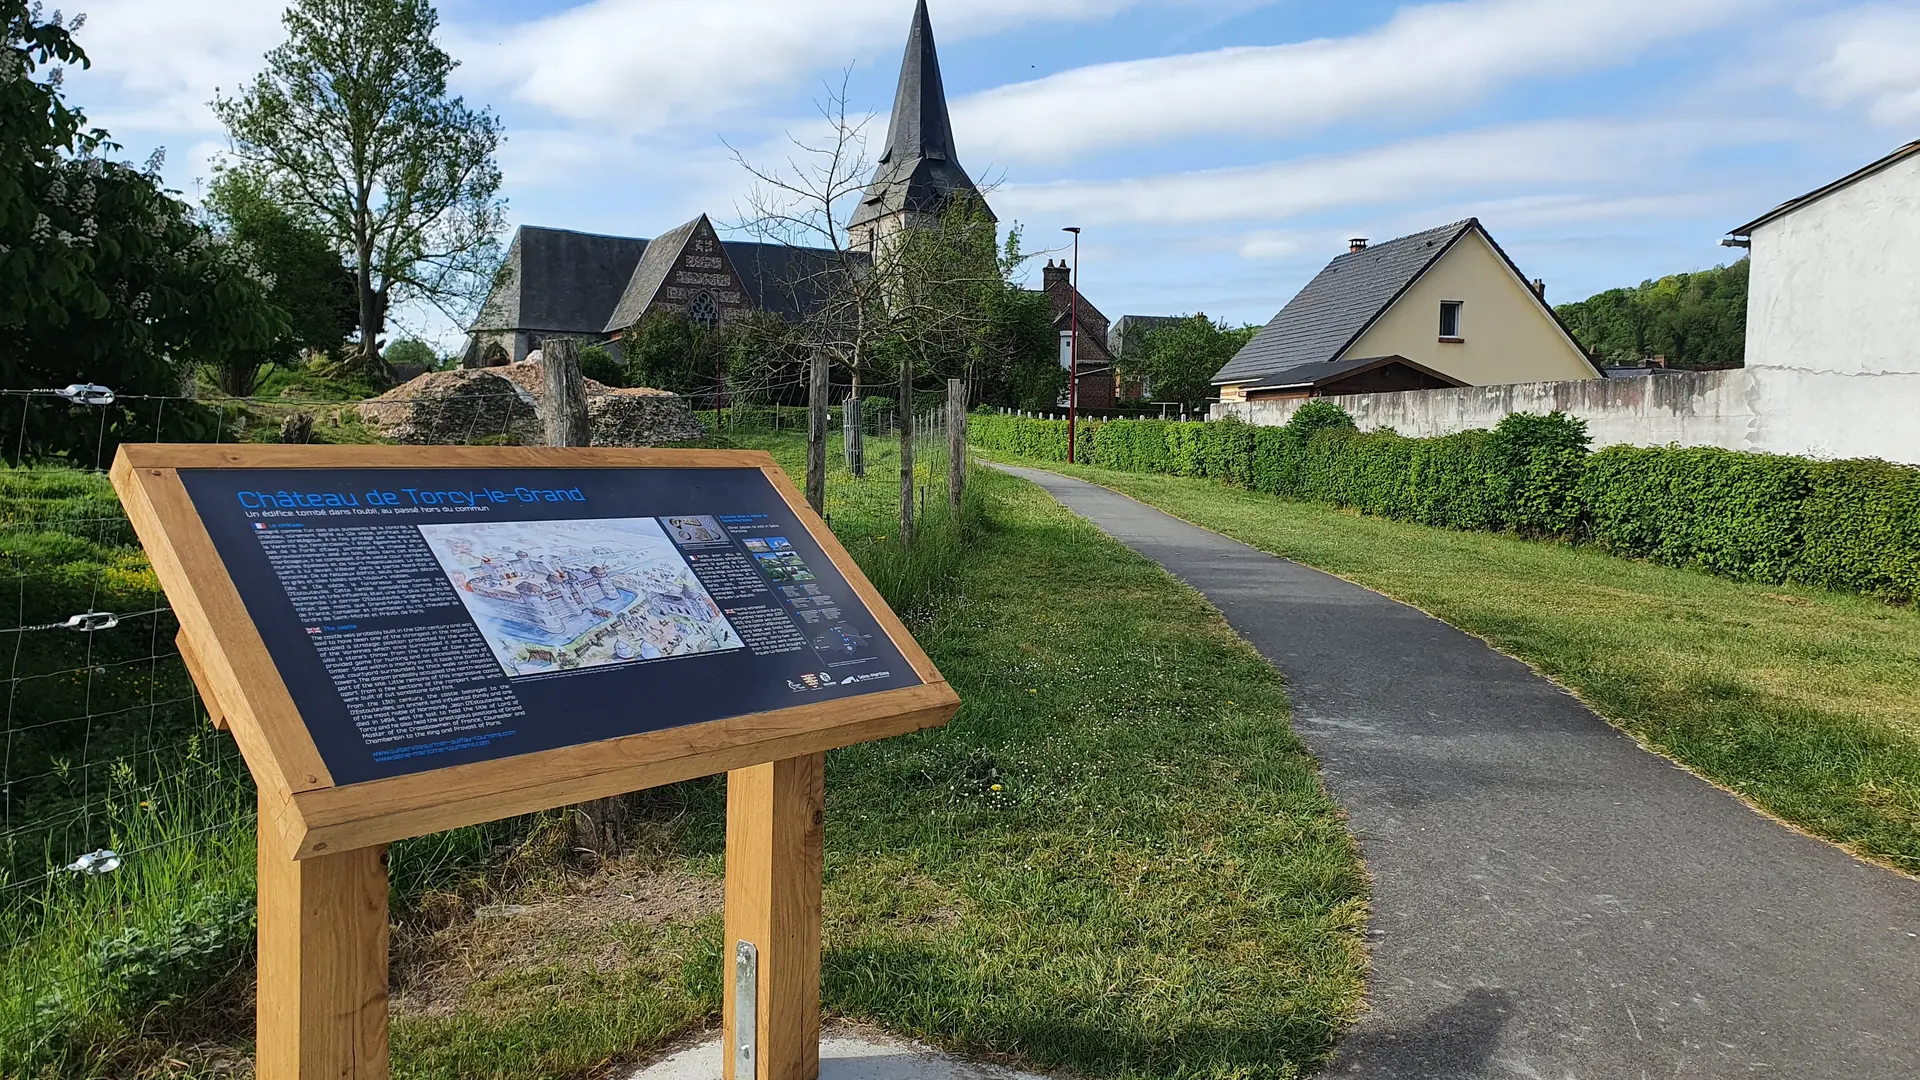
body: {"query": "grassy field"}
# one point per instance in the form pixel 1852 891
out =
pixel 1806 702
pixel 1117 860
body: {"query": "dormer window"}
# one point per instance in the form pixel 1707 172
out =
pixel 1450 320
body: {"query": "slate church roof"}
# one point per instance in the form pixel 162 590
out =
pixel 920 169
pixel 1338 305
pixel 561 281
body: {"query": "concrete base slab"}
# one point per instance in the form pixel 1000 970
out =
pixel 844 1055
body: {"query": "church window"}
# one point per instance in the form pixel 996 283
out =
pixel 704 310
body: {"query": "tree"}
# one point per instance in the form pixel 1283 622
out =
pixel 351 128
pixel 104 277
pixel 412 353
pixel 931 302
pixel 309 281
pixel 668 351
pixel 1694 320
pixel 1179 360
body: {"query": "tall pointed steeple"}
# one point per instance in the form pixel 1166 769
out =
pixel 919 170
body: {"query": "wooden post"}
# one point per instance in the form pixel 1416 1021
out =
pixel 774 816
pixel 904 410
pixel 567 422
pixel 322 1001
pixel 817 432
pixel 956 444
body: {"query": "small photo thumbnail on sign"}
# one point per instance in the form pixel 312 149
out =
pixel 759 544
pixel 694 530
pixel 782 566
pixel 756 545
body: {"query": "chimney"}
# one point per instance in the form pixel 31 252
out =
pixel 1358 243
pixel 1540 288
pixel 1055 274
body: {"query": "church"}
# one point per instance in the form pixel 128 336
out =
pixel 562 283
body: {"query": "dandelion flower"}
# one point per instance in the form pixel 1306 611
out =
pixel 996 787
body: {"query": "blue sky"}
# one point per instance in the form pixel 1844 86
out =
pixel 1216 152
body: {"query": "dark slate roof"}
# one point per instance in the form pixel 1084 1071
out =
pixel 1322 373
pixel 560 295
pixel 1819 193
pixel 919 170
pixel 1339 303
pixel 560 280
pixel 649 273
pixel 791 282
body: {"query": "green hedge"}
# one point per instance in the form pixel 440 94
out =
pixel 1850 525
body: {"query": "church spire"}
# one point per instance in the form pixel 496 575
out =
pixel 919 170
pixel 920 127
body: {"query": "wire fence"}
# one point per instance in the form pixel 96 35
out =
pixel 126 820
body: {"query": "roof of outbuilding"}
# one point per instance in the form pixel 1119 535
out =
pixel 560 280
pixel 1339 303
pixel 1822 192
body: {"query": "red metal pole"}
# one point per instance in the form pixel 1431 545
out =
pixel 1073 345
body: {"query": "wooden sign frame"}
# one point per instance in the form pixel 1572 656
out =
pixel 227 656
pixel 323 883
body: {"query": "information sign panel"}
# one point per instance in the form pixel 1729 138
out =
pixel 409 639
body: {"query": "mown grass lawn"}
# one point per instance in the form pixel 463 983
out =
pixel 1117 860
pixel 1804 701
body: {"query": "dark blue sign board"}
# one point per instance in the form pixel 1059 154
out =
pixel 423 618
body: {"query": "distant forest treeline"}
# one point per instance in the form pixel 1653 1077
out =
pixel 1694 320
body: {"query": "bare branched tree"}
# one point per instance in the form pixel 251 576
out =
pixel 912 303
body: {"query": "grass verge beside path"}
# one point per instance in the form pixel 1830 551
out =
pixel 1804 701
pixel 1117 860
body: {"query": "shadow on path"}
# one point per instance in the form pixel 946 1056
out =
pixel 1550 900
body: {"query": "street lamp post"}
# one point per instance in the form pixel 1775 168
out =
pixel 1073 343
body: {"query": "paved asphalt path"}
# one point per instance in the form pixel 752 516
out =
pixel 1551 902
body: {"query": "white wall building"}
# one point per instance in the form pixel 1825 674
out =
pixel 1835 283
pixel 1832 358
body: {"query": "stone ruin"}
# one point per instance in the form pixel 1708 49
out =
pixel 507 405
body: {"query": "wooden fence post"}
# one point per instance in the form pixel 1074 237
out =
pixel 817 432
pixel 956 444
pixel 567 422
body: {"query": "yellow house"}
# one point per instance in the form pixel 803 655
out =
pixel 1440 308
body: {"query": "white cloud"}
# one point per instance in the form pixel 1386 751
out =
pixel 1473 164
pixel 160 61
pixel 644 65
pixel 1874 62
pixel 1423 61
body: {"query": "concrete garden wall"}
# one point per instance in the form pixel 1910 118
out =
pixel 1823 414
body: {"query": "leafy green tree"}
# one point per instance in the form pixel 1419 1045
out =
pixel 1179 360
pixel 668 351
pixel 1694 320
pixel 412 353
pixel 309 281
pixel 104 277
pixel 351 128
pixel 598 364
